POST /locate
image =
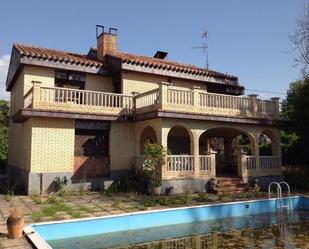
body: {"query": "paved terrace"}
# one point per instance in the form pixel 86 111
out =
pixel 94 204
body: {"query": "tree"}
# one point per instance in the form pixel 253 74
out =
pixel 4 128
pixel 295 109
pixel 155 159
pixel 300 39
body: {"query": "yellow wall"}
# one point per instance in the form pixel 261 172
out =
pixel 139 82
pixel 99 83
pixel 42 74
pixel 121 146
pixel 52 147
pixel 20 144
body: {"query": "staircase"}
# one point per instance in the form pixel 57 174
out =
pixel 232 185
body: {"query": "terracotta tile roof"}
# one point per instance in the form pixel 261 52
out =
pixel 168 65
pixel 56 55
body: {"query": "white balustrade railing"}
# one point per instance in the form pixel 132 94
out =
pixel 224 101
pixel 174 99
pixel 261 162
pixel 147 98
pixel 180 163
pixel 205 162
pixel 269 162
pixel 266 106
pixel 83 97
pixel 180 97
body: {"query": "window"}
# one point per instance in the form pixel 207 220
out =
pixel 69 79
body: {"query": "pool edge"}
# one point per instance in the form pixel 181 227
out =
pixel 39 242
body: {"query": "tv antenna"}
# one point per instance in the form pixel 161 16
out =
pixel 204 47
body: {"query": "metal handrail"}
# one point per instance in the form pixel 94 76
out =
pixel 279 193
pixel 289 194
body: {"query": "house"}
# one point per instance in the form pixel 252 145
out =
pixel 89 116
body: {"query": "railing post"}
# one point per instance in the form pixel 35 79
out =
pixel 213 165
pixel 253 101
pixel 163 94
pixel 36 98
pixel 196 96
pixel 275 101
pixel 241 165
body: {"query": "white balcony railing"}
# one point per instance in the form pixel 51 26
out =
pixel 163 98
pixel 85 98
pixel 147 99
pixel 180 163
pixel 205 163
pixel 224 101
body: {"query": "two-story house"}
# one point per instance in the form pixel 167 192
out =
pixel 88 117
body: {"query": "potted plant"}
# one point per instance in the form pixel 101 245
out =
pixel 155 159
pixel 15 223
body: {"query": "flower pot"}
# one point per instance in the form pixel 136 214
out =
pixel 157 190
pixel 15 227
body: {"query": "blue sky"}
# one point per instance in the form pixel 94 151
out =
pixel 249 39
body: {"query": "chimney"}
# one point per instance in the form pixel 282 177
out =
pixel 106 41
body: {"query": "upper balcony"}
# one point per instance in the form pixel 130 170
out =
pixel 195 103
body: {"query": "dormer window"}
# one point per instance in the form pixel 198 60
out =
pixel 70 79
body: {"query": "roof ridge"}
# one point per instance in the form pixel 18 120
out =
pixel 170 63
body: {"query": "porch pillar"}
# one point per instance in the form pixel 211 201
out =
pixel 241 165
pixel 256 152
pixel 196 155
pixel 213 165
pixel 162 139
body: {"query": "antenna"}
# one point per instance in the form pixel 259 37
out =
pixel 204 47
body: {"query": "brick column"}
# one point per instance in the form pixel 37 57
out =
pixel 276 104
pixel 253 100
pixel 196 155
pixel 163 94
pixel 36 91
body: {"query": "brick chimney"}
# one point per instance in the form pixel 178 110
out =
pixel 106 41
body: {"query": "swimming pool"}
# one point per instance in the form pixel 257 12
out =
pixel 143 227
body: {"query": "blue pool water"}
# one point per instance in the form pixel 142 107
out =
pixel 144 227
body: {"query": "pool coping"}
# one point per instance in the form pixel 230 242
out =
pixel 40 243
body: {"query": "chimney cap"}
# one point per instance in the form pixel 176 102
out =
pixel 160 55
pixel 100 29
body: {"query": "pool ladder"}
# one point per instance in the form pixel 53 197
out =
pixel 279 194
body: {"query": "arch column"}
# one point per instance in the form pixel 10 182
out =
pixel 196 153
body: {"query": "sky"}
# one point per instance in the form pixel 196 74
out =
pixel 247 38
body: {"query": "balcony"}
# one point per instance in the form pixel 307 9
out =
pixel 165 99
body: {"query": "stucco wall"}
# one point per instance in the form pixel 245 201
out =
pixel 121 146
pixel 138 82
pixel 45 75
pixel 99 83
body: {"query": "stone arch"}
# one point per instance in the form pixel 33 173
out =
pixel 147 134
pixel 221 140
pixel 180 140
pixel 251 136
pixel 269 143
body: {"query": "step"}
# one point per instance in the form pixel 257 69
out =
pixel 227 184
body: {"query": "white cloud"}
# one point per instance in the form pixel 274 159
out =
pixel 4 66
